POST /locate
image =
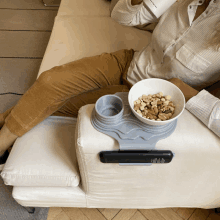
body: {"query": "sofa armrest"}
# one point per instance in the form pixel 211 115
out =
pixel 193 172
pixel 44 156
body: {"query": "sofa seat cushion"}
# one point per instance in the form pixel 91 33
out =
pixel 49 196
pixel 44 156
pixel 74 38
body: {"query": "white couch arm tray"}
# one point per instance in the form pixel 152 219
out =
pixel 191 179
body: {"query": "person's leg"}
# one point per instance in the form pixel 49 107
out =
pixel 55 87
pixel 71 108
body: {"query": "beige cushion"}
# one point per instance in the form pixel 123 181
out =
pixel 50 197
pixel 44 156
pixel 74 38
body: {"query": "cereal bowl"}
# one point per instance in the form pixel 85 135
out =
pixel 155 86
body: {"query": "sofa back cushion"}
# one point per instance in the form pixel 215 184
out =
pixel 84 8
pixel 76 37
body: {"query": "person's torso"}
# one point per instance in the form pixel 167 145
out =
pixel 177 48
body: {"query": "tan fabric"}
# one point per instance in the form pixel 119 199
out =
pixel 71 108
pixel 55 87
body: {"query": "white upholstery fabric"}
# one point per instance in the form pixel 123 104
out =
pixel 74 38
pixel 50 196
pixel 191 179
pixel 44 156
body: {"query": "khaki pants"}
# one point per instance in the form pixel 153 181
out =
pixel 62 90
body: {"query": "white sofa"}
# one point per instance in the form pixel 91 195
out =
pixel 56 164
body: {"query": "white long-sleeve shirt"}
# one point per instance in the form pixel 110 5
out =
pixel 177 50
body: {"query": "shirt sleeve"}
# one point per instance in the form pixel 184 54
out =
pixel 131 15
pixel 206 107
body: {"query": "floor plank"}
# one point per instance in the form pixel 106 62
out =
pixel 169 214
pixel 213 216
pixel 54 212
pixel 27 19
pixel 200 214
pixel 125 214
pixel 62 216
pixel 101 209
pixel 110 213
pixel 8 101
pixel 92 214
pixel 152 214
pixel 185 213
pixel 175 209
pixel 138 216
pixel 24 4
pixel 74 213
pixel 23 43
pixel 18 74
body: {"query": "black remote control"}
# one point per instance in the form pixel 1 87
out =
pixel 135 156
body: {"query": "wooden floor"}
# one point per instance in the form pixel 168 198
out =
pixel 25 29
pixel 132 214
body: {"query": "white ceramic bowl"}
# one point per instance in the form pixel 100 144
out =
pixel 153 86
